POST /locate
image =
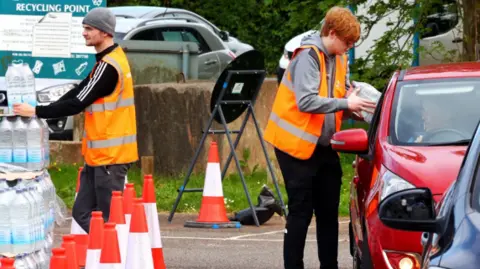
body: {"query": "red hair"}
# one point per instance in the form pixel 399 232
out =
pixel 343 23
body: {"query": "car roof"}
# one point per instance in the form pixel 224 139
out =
pixel 139 11
pixel 448 70
pixel 124 25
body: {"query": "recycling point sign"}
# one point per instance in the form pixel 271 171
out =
pixel 46 34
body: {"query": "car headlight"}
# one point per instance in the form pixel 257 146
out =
pixel 54 93
pixel 392 183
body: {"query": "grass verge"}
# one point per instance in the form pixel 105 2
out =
pixel 64 178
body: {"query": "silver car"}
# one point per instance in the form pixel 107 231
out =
pixel 214 54
pixel 150 12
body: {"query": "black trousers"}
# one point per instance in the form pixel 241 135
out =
pixel 313 186
pixel 95 192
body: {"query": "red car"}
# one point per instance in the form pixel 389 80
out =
pixel 418 136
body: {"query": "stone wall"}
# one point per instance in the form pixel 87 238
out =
pixel 170 120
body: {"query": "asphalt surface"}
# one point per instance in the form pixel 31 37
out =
pixel 230 248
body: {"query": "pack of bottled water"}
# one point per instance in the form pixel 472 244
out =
pixel 20 84
pixel 27 220
pixel 24 144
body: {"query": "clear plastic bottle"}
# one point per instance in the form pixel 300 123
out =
pixel 15 84
pixel 20 218
pixel 29 95
pixel 6 141
pixel 20 142
pixel 34 217
pixel 35 144
pixel 45 143
pixel 6 198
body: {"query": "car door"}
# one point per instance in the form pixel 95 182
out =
pixel 364 172
pixel 445 36
pixel 209 64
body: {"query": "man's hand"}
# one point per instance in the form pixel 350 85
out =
pixel 357 104
pixel 24 110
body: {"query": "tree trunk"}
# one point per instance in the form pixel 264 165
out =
pixel 471 34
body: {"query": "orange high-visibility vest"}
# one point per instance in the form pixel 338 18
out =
pixel 110 135
pixel 292 131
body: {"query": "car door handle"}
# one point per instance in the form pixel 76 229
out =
pixel 457 40
pixel 210 62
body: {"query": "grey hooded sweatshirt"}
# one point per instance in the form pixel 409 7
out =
pixel 305 74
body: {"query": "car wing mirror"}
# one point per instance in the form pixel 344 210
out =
pixel 410 210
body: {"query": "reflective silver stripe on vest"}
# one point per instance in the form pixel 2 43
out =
pixel 110 105
pixel 292 129
pixel 113 142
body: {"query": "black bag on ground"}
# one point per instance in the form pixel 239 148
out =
pixel 267 206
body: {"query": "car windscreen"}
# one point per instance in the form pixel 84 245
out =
pixel 435 112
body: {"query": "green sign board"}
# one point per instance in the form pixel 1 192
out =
pixel 46 34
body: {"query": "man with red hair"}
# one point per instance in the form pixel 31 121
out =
pixel 308 109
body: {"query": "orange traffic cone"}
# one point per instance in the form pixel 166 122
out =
pixel 70 251
pixel 95 240
pixel 150 203
pixel 212 210
pixel 7 263
pixel 139 254
pixel 81 236
pixel 117 216
pixel 58 260
pixel 128 196
pixel 110 254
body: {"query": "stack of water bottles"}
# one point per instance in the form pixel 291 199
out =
pixel 29 206
pixel 27 220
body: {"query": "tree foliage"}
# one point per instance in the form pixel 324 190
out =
pixel 269 24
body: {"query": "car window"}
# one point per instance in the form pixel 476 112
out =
pixel 147 35
pixel 441 18
pixel 185 34
pixel 435 112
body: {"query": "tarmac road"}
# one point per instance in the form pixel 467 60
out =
pixel 247 247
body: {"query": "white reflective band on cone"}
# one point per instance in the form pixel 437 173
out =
pixel 153 225
pixel 213 181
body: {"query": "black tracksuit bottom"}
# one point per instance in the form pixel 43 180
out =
pixel 96 186
pixel 313 186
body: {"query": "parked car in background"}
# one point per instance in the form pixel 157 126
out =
pixel 150 12
pixel 444 22
pixel 418 136
pixel 450 228
pixel 214 54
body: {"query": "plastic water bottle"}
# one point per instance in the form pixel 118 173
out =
pixel 20 142
pixel 33 217
pixel 46 143
pixel 6 142
pixel 20 217
pixel 29 95
pixel 6 198
pixel 15 83
pixel 34 143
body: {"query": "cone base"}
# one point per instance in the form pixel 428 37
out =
pixel 213 225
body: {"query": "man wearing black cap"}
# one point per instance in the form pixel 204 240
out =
pixel 109 144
